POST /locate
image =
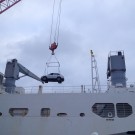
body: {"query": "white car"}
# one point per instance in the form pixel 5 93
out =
pixel 53 77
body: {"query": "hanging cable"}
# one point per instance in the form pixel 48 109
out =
pixel 53 45
pixel 59 21
pixel 56 36
pixel 52 63
pixel 55 33
pixel 52 22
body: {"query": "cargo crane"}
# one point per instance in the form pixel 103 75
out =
pixel 6 4
pixel 13 68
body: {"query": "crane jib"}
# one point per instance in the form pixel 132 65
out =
pixel 6 4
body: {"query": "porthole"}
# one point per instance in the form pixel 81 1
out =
pixel 82 114
pixel 18 112
pixel 62 114
pixel 45 112
pixel 0 113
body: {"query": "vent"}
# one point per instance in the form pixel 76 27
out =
pixel 123 110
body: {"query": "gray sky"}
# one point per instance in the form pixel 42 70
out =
pixel 100 25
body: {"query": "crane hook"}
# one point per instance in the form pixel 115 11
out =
pixel 53 47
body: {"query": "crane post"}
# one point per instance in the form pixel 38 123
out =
pixel 13 68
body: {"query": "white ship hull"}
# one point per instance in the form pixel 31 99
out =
pixel 70 103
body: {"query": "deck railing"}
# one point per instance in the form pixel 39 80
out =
pixel 60 89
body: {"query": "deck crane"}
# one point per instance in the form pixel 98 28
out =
pixel 13 68
pixel 6 4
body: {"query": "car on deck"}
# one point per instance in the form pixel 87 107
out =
pixel 52 77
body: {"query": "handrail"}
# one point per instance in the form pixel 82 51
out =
pixel 64 89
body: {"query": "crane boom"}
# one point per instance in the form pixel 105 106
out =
pixel 6 4
pixel 26 72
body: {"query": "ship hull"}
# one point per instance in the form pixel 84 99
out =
pixel 70 122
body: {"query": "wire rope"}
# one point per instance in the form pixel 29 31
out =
pixel 52 22
pixel 56 36
pixel 54 32
pixel 59 21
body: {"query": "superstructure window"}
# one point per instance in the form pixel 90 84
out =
pixel 62 114
pixel 18 111
pixel 105 110
pixel 123 110
pixel 45 112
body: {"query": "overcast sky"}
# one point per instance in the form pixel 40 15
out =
pixel 100 25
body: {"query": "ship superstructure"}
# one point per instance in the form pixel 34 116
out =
pixel 71 113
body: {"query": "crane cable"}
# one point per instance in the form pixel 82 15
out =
pixel 56 35
pixel 57 27
pixel 52 22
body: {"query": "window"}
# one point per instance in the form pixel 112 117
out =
pixel 45 112
pixel 62 114
pixel 0 114
pixel 105 110
pixel 123 110
pixel 18 111
pixel 82 114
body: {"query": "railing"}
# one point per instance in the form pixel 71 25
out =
pixel 61 89
pixel 51 89
pixel 72 89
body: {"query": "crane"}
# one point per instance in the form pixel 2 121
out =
pixel 13 68
pixel 6 4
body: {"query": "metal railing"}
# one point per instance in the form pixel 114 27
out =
pixel 61 89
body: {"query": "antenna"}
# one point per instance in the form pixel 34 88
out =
pixel 94 74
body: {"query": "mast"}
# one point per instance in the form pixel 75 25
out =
pixel 94 74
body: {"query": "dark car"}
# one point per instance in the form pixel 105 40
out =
pixel 53 77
